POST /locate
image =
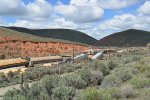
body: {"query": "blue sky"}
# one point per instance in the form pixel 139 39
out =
pixel 97 18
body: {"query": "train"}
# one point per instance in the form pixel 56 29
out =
pixel 80 58
pixel 28 61
pixel 98 55
pixel 8 63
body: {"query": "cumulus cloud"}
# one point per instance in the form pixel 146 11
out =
pixel 12 7
pixel 63 23
pixel 34 10
pixel 118 22
pixel 84 2
pixel 39 9
pixel 29 24
pixel 116 4
pixel 82 15
pixel 36 24
pixel 124 22
pixel 80 11
pixel 145 8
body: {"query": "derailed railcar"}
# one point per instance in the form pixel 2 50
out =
pixel 98 55
pixel 27 61
pixel 8 63
pixel 80 58
pixel 41 60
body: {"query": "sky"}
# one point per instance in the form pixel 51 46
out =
pixel 97 18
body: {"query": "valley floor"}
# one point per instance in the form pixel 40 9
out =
pixel 124 76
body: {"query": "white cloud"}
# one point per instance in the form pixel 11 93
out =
pixel 106 4
pixel 36 24
pixel 36 10
pixel 145 8
pixel 118 22
pixel 29 24
pixel 116 4
pixel 80 11
pixel 12 7
pixel 124 22
pixel 39 9
pixel 82 15
pixel 61 22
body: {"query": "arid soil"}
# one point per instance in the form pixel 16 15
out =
pixel 18 48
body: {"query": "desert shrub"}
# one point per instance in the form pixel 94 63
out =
pixel 49 82
pixel 127 91
pixel 146 83
pixel 143 94
pixel 97 65
pixel 24 89
pixel 133 68
pixel 148 45
pixel 136 58
pixel 2 56
pixel 9 95
pixel 13 74
pixel 141 68
pixel 35 91
pixel 19 97
pixel 75 81
pixel 9 78
pixel 145 61
pixel 111 64
pixel 3 77
pixel 90 76
pixel 113 92
pixel 123 74
pixel 63 93
pixel 43 96
pixel 39 71
pixel 111 81
pixel 4 80
pixel 85 74
pixel 147 73
pixel 69 67
pixel 90 94
pixel 136 82
pixel 140 82
pixel 96 77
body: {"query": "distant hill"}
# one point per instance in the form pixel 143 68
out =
pixel 16 35
pixel 63 34
pixel 129 37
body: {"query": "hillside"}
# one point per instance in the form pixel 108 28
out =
pixel 18 44
pixel 129 37
pixel 22 36
pixel 63 34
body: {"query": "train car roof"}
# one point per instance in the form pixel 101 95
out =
pixel 12 61
pixel 46 58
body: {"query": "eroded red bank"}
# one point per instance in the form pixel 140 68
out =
pixel 17 48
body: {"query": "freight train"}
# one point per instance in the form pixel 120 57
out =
pixel 30 62
pixel 27 61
